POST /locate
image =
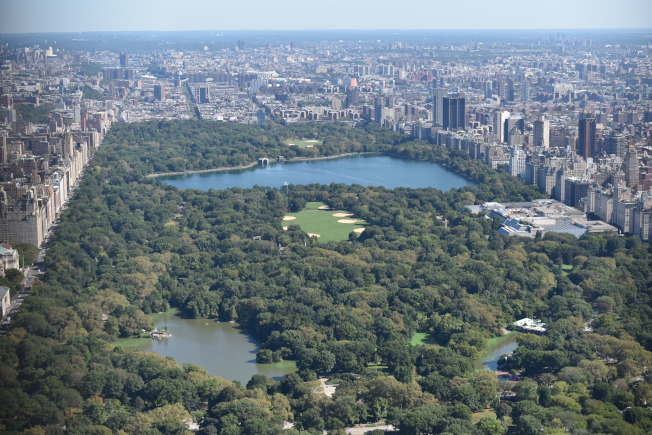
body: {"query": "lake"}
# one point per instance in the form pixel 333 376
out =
pixel 367 170
pixel 219 347
pixel 497 347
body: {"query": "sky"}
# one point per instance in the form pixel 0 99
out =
pixel 23 16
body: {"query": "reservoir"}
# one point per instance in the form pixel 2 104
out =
pixel 218 347
pixel 366 170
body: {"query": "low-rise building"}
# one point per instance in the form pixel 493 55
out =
pixel 5 301
pixel 533 326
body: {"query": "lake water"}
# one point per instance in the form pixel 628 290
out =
pixel 367 170
pixel 218 347
pixel 497 348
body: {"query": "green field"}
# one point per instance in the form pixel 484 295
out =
pixel 477 416
pixel 312 220
pixel 131 342
pixel 303 143
pixel 139 341
pixel 566 269
pixel 421 339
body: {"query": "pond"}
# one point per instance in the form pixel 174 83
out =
pixel 366 170
pixel 497 347
pixel 219 347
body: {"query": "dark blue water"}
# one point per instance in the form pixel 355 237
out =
pixel 366 170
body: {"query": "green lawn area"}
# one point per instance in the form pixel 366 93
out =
pixel 380 367
pixel 566 269
pixel 137 341
pixel 312 220
pixel 131 342
pixel 477 416
pixel 290 366
pixel 421 339
pixel 303 143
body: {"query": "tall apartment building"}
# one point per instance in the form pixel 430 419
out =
pixel 438 105
pixel 541 132
pixel 454 113
pixel 586 144
pixel 124 59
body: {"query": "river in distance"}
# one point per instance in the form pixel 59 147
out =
pixel 221 348
pixel 366 170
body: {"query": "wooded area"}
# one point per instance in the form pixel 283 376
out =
pixel 130 245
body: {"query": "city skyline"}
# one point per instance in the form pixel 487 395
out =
pixel 39 16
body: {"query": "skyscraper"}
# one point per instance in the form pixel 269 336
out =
pixel 631 168
pixel 615 144
pixel 586 136
pixel 159 92
pixel 203 94
pixel 499 125
pixel 379 103
pixel 438 105
pixel 124 59
pixel 513 125
pixel 541 134
pixel 454 113
pixel 517 163
pixel 488 89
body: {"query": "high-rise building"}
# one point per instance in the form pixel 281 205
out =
pixel 514 126
pixel 438 105
pixel 517 163
pixel 615 144
pixel 541 133
pixel 124 59
pixel 525 90
pixel 631 169
pixel 488 89
pixel 203 95
pixel 379 103
pixel 454 113
pixel 586 146
pixel 498 125
pixel 159 92
pixel 76 113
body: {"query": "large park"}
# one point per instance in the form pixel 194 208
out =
pixel 392 293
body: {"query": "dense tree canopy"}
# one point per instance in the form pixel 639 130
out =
pixel 129 245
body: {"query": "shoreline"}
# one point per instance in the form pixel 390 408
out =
pixel 251 165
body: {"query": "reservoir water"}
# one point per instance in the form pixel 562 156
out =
pixel 218 347
pixel 367 170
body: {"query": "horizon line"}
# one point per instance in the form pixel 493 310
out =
pixel 334 30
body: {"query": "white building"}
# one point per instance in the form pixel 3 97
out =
pixel 517 163
pixel 5 301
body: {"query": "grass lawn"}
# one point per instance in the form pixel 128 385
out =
pixel 135 341
pixel 312 220
pixel 303 143
pixel 421 339
pixel 566 269
pixel 131 342
pixel 477 416
pixel 380 367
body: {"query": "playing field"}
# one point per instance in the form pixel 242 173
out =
pixel 328 225
pixel 303 143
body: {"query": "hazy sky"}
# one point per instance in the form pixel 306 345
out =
pixel 76 15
